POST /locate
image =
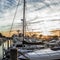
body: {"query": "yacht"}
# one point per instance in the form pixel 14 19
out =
pixel 43 54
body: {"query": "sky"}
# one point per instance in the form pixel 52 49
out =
pixel 41 15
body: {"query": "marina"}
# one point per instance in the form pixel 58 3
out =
pixel 35 50
pixel 22 40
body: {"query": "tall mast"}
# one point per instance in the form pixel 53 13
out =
pixel 24 1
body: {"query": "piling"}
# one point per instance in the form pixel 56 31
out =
pixel 13 54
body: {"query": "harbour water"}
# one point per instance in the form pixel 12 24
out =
pixel 1 52
pixel 4 45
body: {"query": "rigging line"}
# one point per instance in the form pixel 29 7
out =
pixel 14 17
pixel 27 27
pixel 31 28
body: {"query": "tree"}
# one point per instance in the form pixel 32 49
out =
pixel 55 37
pixel 34 35
pixel 40 36
pixel 1 35
pixel 20 34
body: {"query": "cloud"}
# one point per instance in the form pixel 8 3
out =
pixel 34 1
pixel 45 12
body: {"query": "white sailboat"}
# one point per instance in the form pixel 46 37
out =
pixel 24 41
pixel 44 54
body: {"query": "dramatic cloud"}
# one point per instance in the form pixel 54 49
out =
pixel 45 14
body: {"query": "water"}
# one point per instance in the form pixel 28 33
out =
pixel 1 52
pixel 5 45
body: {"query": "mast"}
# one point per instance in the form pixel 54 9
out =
pixel 24 26
pixel 24 1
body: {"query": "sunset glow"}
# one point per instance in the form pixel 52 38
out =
pixel 41 15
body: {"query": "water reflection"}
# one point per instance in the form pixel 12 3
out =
pixel 1 52
pixel 5 45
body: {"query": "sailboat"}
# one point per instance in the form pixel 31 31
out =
pixel 44 54
pixel 25 42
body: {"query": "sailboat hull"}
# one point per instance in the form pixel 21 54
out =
pixel 45 54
